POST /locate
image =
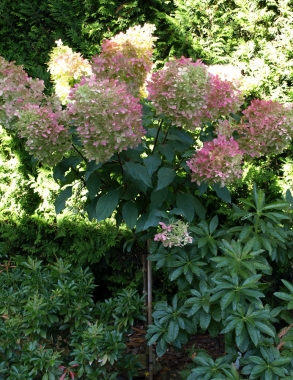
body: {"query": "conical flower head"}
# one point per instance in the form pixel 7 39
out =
pixel 108 117
pixel 265 128
pixel 127 57
pixel 185 92
pixel 16 90
pixel 66 68
pixel 44 128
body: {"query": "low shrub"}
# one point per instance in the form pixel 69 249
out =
pixel 50 327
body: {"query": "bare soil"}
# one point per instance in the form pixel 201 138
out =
pixel 174 360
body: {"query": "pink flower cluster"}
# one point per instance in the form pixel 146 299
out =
pixel 174 234
pixel 108 117
pixel 222 98
pixel 127 57
pixel 265 128
pixel 189 95
pixel 46 137
pixel 16 90
pixel 219 161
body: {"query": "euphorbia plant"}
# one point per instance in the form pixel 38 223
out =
pixel 145 158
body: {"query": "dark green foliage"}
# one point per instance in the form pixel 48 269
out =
pixel 50 325
pixel 71 237
pixel 224 279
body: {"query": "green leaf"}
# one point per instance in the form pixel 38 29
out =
pixel 106 204
pixel 62 198
pixel 90 168
pixel 185 203
pixel 152 163
pixel 161 347
pixel 204 320
pixel 63 166
pixel 154 218
pixel 173 330
pixel 227 299
pixel 158 198
pixel 213 224
pixel 253 333
pixel 130 214
pixel 177 272
pixel 222 192
pixel 245 232
pixel 138 171
pixel 141 222
pixel 288 285
pixel 265 328
pixel 181 135
pixel 198 208
pixel 165 177
pixel 93 184
pixel 276 205
pixel 168 151
pixel 269 374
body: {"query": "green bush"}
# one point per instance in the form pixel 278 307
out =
pixel 50 328
pixel 227 281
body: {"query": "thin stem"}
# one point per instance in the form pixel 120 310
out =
pixel 157 136
pixel 81 155
pixel 165 137
pixel 150 300
pixel 120 163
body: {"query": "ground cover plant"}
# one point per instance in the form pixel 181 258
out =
pixel 150 149
pixel 51 328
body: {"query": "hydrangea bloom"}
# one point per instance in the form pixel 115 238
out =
pixel 222 98
pixel 266 127
pixel 127 57
pixel 16 90
pixel 66 68
pixel 174 234
pixel 47 138
pixel 219 161
pixel 108 117
pixel 189 95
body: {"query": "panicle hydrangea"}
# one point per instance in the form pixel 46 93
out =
pixel 16 90
pixel 219 161
pixel 189 95
pixel 174 235
pixel 127 57
pixel 66 68
pixel 265 128
pixel 222 98
pixel 108 117
pixel 179 90
pixel 47 138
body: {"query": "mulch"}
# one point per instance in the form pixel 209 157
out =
pixel 174 360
